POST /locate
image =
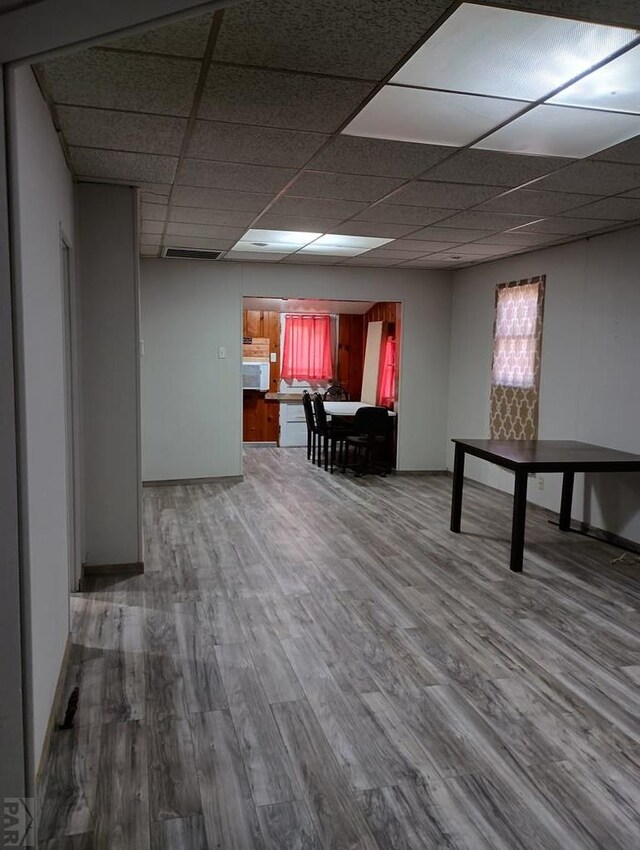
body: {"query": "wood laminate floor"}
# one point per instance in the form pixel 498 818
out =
pixel 314 662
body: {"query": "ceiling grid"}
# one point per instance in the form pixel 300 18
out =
pixel 242 120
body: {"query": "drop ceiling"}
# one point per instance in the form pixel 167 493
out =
pixel 256 117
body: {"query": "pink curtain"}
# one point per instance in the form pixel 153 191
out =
pixel 306 351
pixel 386 389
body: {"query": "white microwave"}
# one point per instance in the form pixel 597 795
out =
pixel 255 376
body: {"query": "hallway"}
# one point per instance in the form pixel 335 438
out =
pixel 314 661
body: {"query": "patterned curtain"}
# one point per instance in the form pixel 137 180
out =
pixel 515 368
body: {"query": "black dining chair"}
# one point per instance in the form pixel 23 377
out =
pixel 330 434
pixel 370 440
pixel 312 429
pixel 336 393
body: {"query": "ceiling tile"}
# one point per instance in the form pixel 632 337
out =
pixel 399 214
pixel 426 246
pixel 494 168
pixel 358 155
pixel 399 254
pixel 123 81
pixel 361 38
pixel 316 207
pixel 220 199
pixel 348 187
pixel 182 38
pixel 147 250
pixel 276 99
pixel 625 209
pixel 593 177
pixel 628 152
pixel 567 226
pixel 156 227
pixel 487 221
pixel 151 239
pixel 301 223
pixel 562 131
pixel 117 165
pixel 449 234
pixel 373 228
pixel 124 131
pixel 508 53
pixel 198 242
pixel 620 12
pixel 369 261
pixel 455 196
pixel 154 193
pixel 517 238
pixel 233 175
pixel 531 201
pixel 257 145
pixel 431 117
pixel 434 261
pixel 226 218
pixel 153 212
pixel 208 231
pixel 480 249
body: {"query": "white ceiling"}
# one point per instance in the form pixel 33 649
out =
pixel 306 305
pixel 234 120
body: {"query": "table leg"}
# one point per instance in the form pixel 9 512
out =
pixel 456 493
pixel 519 516
pixel 565 501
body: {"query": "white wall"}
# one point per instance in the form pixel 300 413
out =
pixel 42 203
pixel 192 401
pixel 108 266
pixel 590 378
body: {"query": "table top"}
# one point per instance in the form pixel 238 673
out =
pixel 347 408
pixel 550 455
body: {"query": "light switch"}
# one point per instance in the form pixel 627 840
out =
pixel 273 356
pixel 222 352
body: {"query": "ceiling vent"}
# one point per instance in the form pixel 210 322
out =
pixel 191 254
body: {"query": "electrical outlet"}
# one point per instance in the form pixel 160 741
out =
pixel 540 482
pixel 273 356
pixel 222 352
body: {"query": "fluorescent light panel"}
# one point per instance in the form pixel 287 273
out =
pixel 256 241
pixel 563 131
pixel 430 117
pixel 506 53
pixel 484 65
pixel 614 86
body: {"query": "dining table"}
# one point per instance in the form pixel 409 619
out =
pixel 348 408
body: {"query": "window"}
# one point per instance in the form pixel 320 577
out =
pixel 515 370
pixel 306 351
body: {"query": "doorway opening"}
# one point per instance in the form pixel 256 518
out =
pixel 363 342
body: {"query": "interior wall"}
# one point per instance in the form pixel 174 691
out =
pixel 42 206
pixel 191 400
pixel 108 266
pixel 590 373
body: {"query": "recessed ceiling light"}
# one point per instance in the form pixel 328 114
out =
pixel 430 117
pixel 338 250
pixel 265 247
pixel 291 237
pixel 366 242
pixel 507 53
pixel 615 86
pixel 563 131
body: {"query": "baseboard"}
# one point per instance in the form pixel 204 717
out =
pixel 90 571
pixel 262 445
pixel 56 714
pixel 606 537
pixel 425 472
pixel 177 482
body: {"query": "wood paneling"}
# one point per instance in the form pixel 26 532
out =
pixel 261 418
pixel 350 354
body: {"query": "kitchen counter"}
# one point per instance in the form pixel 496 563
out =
pixel 290 397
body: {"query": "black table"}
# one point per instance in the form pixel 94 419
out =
pixel 525 456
